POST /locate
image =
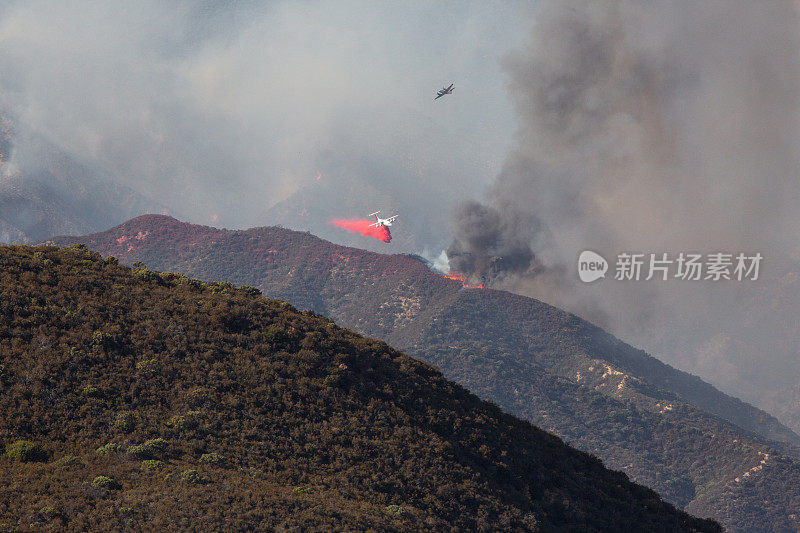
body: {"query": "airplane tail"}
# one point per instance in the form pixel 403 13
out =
pixel 374 214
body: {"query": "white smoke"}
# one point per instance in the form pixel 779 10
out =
pixel 227 108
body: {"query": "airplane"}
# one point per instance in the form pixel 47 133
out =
pixel 381 221
pixel 444 91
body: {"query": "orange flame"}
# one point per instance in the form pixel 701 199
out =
pixel 463 279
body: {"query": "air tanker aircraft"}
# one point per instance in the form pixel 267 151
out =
pixel 381 221
pixel 444 91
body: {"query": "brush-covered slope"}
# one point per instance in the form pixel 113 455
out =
pixel 700 448
pixel 137 400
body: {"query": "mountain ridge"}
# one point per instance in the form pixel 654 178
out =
pixel 535 361
pixel 261 416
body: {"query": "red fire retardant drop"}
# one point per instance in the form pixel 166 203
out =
pixel 363 227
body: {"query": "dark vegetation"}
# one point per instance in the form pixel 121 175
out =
pixel 135 400
pixel 665 428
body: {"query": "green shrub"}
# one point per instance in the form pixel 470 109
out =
pixel 190 420
pixel 193 477
pixel 152 464
pixel 105 482
pixel 147 367
pixel 531 522
pixel 395 510
pixel 102 339
pixel 211 458
pixel 191 282
pixel 157 446
pixel 67 460
pixel 275 335
pixel 220 287
pixel 251 291
pixel 48 513
pixel 198 396
pixel 140 451
pixel 108 449
pixel 146 274
pixel 170 276
pixel 25 451
pixel 335 378
pixel 151 449
pixel 92 391
pixel 124 421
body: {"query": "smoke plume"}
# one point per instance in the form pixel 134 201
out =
pixel 649 127
pixel 365 228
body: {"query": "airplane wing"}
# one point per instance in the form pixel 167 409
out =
pixel 376 224
pixel 392 219
pixel 444 91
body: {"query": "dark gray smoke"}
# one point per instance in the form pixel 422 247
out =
pixel 652 127
pixel 489 244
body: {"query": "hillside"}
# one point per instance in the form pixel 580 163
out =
pixel 665 428
pixel 138 400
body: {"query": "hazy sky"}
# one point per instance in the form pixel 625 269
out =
pixel 214 109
